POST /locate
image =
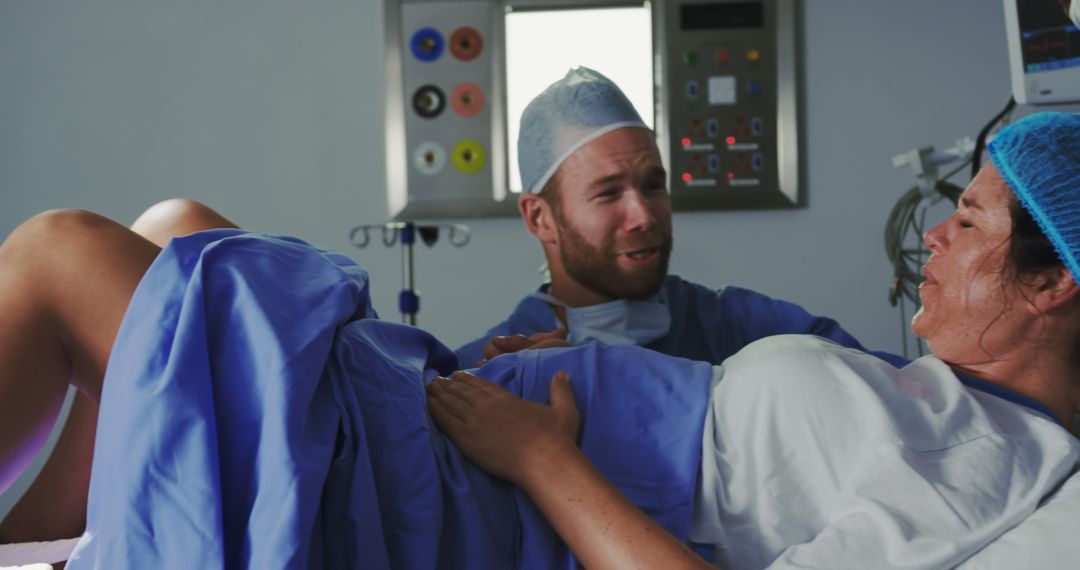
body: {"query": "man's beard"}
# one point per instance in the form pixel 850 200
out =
pixel 597 268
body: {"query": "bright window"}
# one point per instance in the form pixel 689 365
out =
pixel 541 46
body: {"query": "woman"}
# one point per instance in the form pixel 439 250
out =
pixel 999 304
pixel 990 312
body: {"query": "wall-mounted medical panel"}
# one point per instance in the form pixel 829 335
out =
pixel 727 114
pixel 445 132
pixel 726 77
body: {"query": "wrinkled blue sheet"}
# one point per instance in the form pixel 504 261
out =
pixel 256 414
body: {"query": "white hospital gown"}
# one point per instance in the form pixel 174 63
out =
pixel 817 456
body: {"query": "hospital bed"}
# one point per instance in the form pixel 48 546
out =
pixel 1045 540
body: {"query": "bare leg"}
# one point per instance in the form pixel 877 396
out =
pixel 64 481
pixel 66 278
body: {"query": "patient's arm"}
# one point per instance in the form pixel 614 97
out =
pixel 532 445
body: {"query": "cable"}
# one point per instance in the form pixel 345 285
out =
pixel 903 328
pixel 980 142
pixel 895 230
pixel 907 219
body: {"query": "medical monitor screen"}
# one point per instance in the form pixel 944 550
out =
pixel 1048 38
pixel 722 16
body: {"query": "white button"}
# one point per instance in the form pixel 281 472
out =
pixel 722 90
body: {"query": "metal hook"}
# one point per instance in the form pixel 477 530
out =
pixel 359 236
pixel 389 235
pixel 459 235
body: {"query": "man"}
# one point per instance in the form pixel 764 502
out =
pixel 595 197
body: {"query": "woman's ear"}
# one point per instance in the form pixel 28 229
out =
pixel 1052 289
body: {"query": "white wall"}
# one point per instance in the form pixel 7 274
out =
pixel 271 111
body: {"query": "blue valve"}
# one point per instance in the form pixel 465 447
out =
pixel 427 44
pixel 408 302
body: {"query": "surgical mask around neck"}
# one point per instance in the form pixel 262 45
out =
pixel 622 321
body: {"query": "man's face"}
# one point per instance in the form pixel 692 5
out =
pixel 613 215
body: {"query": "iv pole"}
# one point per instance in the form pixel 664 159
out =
pixel 406 232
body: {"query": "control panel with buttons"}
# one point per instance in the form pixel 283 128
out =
pixel 727 118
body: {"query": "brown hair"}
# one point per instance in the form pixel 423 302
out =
pixel 550 194
pixel 550 191
pixel 1030 251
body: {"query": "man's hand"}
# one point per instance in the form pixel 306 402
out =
pixel 503 434
pixel 514 343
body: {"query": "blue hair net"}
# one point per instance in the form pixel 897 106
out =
pixel 1039 158
pixel 574 110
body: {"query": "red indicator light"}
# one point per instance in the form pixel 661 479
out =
pixel 687 177
pixel 731 140
pixel 731 176
pixel 686 142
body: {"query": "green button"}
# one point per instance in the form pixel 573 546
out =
pixel 690 57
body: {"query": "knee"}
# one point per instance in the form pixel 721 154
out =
pixel 177 208
pixel 172 212
pixel 57 226
pixel 50 233
pixel 176 217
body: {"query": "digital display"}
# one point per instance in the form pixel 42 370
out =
pixel 1048 38
pixel 722 16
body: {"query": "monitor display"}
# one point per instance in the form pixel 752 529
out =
pixel 1048 38
pixel 722 16
pixel 1044 52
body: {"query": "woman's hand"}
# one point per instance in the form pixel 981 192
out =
pixel 503 434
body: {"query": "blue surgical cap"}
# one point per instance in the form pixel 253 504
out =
pixel 1039 158
pixel 574 110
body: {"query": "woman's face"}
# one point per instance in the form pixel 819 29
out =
pixel 970 311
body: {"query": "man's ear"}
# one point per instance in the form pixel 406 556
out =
pixel 1051 289
pixel 539 217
